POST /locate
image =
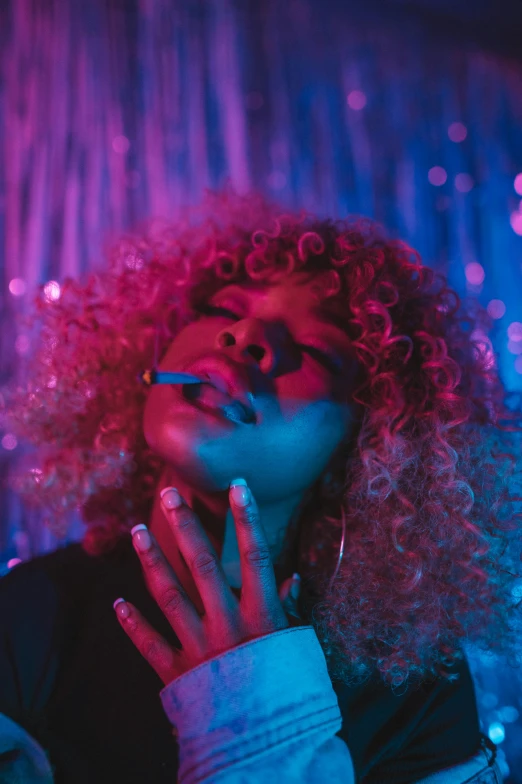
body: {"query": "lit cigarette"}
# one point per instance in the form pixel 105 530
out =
pixel 150 377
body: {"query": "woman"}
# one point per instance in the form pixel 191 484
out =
pixel 367 426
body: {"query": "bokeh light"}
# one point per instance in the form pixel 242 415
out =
pixel 516 222
pixel 17 287
pixel 515 330
pixel 52 291
pixel 437 175
pixel 508 714
pixel 9 442
pixel 356 100
pixel 457 132
pixel 496 732
pixel 120 144
pixel 464 182
pixel 474 273
pixel 12 562
pixel 496 308
pixel 518 184
pixel 514 347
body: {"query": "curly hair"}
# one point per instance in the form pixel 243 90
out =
pixel 424 486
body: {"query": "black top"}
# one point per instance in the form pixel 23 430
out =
pixel 72 678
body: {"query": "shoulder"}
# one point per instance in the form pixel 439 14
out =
pixel 39 600
pixel 37 586
pixel 409 734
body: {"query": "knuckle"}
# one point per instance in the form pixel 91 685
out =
pixel 154 560
pixel 249 516
pixel 258 557
pixel 172 600
pixel 184 521
pixel 153 650
pixel 205 563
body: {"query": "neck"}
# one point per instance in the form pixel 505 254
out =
pixel 214 512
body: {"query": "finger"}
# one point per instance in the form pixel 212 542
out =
pixel 289 592
pixel 201 558
pixel 154 649
pixel 167 590
pixel 258 582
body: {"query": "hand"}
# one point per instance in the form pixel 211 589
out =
pixel 227 621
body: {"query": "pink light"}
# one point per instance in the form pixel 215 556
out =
pixel 474 273
pixel 515 347
pixel 356 100
pixel 37 474
pixel 516 222
pixel 496 308
pixel 437 175
pixel 120 144
pixel 515 330
pixel 9 442
pixel 52 291
pixel 464 183
pixel 17 287
pixel 518 184
pixel 457 132
pixel 13 562
pixel 518 365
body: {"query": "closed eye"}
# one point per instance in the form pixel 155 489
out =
pixel 329 362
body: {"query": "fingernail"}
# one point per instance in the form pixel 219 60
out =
pixel 170 498
pixel 295 587
pixel 121 608
pixel 239 492
pixel 140 535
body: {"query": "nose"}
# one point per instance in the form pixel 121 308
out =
pixel 264 341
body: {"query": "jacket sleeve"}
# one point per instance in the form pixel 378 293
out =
pixel 263 710
pixel 22 759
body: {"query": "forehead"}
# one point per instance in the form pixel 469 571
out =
pixel 299 283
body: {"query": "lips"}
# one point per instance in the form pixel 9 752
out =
pixel 224 383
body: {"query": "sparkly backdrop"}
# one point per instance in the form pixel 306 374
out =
pixel 113 111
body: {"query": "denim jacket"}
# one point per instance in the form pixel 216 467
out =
pixel 274 713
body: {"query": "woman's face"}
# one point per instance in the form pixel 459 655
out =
pixel 301 418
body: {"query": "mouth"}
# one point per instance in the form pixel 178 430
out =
pixel 209 398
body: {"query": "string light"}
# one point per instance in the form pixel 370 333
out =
pixel 356 100
pixel 52 291
pixel 17 287
pixel 496 308
pixel 457 132
pixel 474 273
pixel 120 145
pixel 437 175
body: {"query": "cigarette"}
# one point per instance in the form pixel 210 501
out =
pixel 150 377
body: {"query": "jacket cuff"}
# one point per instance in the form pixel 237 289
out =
pixel 263 693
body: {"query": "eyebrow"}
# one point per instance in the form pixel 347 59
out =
pixel 333 319
pixel 322 315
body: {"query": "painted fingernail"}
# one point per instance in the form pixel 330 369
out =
pixel 170 498
pixel 140 535
pixel 122 608
pixel 239 492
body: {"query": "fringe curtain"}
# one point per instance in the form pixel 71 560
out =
pixel 117 110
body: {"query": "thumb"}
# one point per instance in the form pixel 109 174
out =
pixel 289 594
